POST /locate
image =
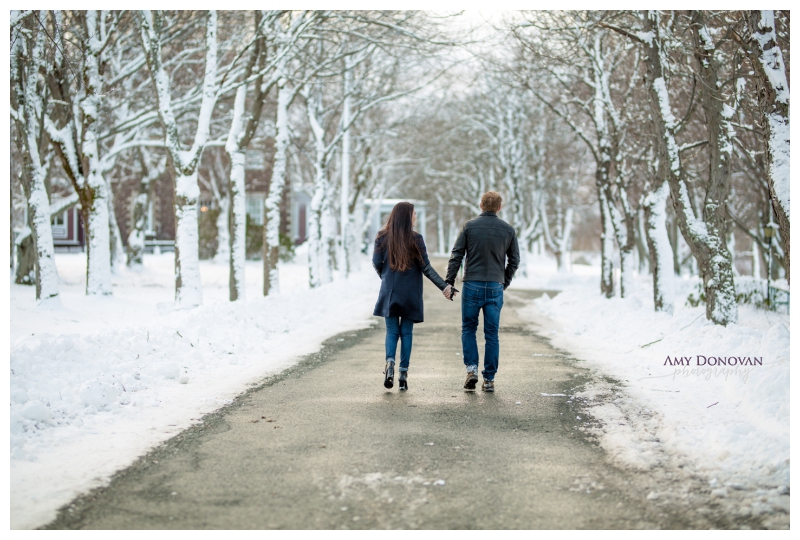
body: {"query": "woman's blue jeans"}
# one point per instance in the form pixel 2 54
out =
pixel 399 329
pixel 477 296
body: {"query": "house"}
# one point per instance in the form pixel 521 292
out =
pixel 294 214
pixel 68 236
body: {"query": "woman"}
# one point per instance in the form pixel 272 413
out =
pixel 400 258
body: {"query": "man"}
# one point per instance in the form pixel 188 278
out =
pixel 487 241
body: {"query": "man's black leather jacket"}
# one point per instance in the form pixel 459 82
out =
pixel 487 240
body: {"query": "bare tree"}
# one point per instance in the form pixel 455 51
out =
pixel 27 107
pixel 766 58
pixel 706 234
pixel 595 75
pixel 183 163
pixel 77 87
pixel 151 168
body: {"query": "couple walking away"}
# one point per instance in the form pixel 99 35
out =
pixel 400 258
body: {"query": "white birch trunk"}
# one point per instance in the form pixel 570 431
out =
pixel 223 252
pixel 237 214
pixel 26 85
pixel 276 186
pixel 345 188
pixel 315 244
pixel 756 254
pixel 774 104
pixel 39 208
pixel 626 265
pixel 115 237
pixel 443 248
pixel 453 228
pixel 320 269
pixel 81 157
pixel 188 291
pixel 329 224
pixel 644 255
pixel 136 236
pixel 560 242
pixel 140 209
pixel 731 242
pixel 655 210
pixel 98 243
pixel 355 241
pixel 565 241
pixel 606 248
pixel 702 235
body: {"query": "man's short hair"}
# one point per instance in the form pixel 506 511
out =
pixel 491 201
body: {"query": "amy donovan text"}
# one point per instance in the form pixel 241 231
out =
pixel 700 360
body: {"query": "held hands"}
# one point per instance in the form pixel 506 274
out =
pixel 450 292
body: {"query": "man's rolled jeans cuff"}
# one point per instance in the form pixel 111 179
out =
pixel 472 369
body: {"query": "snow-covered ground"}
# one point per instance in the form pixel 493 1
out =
pixel 99 381
pixel 728 423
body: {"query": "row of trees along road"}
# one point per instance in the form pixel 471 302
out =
pixel 657 138
pixel 94 87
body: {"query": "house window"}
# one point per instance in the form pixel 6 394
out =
pixel 254 160
pixel 255 208
pixel 59 224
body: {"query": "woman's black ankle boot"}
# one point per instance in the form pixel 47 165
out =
pixel 403 380
pixel 388 381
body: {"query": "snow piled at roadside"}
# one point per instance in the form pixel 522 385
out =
pixel 84 405
pixel 730 424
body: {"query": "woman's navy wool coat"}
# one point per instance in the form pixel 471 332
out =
pixel 401 292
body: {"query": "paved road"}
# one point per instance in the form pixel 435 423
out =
pixel 325 446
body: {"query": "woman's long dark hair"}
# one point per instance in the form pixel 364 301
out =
pixel 400 240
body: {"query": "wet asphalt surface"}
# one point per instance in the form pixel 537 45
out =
pixel 324 445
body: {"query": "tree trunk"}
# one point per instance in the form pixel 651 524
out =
pixel 564 241
pixel 756 255
pixel 27 60
pixel 718 271
pixel 139 210
pixel 277 183
pixel 188 290
pixel 626 264
pixel 655 216
pixel 319 260
pixel 345 224
pixel 239 137
pixel 223 251
pixel 641 239
pixel 94 207
pixel 606 247
pixel 443 248
pixel 117 251
pixel 46 273
pixel 316 247
pixel 731 242
pixel 453 227
pixel 25 273
pixel 704 237
pixel 773 99
pixel 136 238
pixel 237 221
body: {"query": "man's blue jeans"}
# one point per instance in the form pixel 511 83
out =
pixel 477 296
pixel 399 329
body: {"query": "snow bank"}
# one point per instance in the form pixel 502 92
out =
pixel 99 382
pixel 727 422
